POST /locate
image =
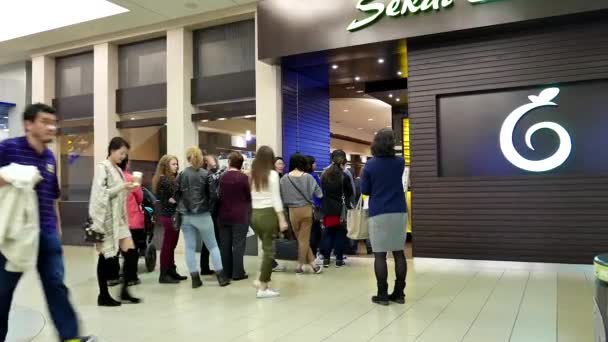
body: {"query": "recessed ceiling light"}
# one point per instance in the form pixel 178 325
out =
pixel 370 119
pixel 346 111
pixel 398 100
pixel 335 66
pixel 357 78
pixel 390 95
pixel 399 73
pixel 360 128
pixel 204 120
pixel 132 118
pixel 221 119
pixel 381 60
pixel 63 12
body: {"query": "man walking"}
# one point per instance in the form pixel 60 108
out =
pixel 31 150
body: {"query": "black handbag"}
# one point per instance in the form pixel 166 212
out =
pixel 285 249
pixel 90 235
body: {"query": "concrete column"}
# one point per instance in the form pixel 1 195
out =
pixel 269 115
pixel 104 87
pixel 181 131
pixel 43 90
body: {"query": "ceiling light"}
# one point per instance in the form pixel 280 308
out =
pixel 359 91
pixel 398 100
pixel 357 78
pixel 399 73
pixel 390 95
pixel 335 66
pixel 63 13
pixel 346 111
pixel 360 128
pixel 221 119
pixel 132 118
pixel 381 60
pixel 204 120
pixel 370 119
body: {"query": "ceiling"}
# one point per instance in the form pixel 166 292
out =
pixel 351 117
pixel 141 13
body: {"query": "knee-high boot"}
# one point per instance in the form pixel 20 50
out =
pixel 104 298
pixel 130 274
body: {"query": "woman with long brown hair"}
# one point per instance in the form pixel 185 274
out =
pixel 267 216
pixel 164 186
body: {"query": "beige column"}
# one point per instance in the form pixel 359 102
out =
pixel 43 90
pixel 269 118
pixel 181 132
pixel 104 87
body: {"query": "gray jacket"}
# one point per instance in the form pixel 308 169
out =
pixel 192 192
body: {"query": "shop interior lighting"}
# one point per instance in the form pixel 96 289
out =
pixel 398 100
pixel 50 15
pixel 399 73
pixel 357 78
pixel 370 119
pixel 381 60
pixel 335 66
pixel 390 95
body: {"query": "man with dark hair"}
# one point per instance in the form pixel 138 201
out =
pixel 31 150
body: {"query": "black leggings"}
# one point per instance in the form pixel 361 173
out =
pixel 381 268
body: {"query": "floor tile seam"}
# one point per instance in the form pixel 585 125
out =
pixel 448 304
pixel 484 305
pixel 521 301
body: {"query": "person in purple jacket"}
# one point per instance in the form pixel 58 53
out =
pixel 234 208
pixel 382 182
pixel 31 149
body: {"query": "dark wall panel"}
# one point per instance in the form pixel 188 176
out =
pixel 305 117
pixel 544 218
pixel 140 99
pixel 74 107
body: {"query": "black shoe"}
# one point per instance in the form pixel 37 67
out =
pixel 207 272
pixel 340 263
pixel 166 278
pixel 173 274
pixel 196 280
pixel 126 298
pixel 395 298
pixel 326 263
pixel 107 301
pixel 244 277
pixel 222 279
pixel 380 300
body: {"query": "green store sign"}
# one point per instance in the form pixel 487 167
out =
pixel 398 8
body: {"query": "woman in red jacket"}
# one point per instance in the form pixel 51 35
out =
pixel 135 213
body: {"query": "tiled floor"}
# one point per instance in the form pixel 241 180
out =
pixel 446 301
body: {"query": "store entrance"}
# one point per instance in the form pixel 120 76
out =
pixel 346 96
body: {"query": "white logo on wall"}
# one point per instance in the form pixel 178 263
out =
pixel 508 127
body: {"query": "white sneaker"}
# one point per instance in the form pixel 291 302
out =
pixel 268 293
pixel 279 268
pixel 319 261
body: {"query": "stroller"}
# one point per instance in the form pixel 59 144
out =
pixel 145 244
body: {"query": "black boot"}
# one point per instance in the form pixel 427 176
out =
pixel 130 274
pixel 196 280
pixel 398 295
pixel 166 278
pixel 382 297
pixel 104 298
pixel 173 273
pixel 222 279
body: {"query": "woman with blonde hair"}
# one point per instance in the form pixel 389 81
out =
pixel 267 215
pixel 164 185
pixel 193 200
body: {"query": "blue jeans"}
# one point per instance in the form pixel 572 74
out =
pixel 199 228
pixel 50 268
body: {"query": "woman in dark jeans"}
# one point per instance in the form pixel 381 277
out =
pixel 336 187
pixel 382 182
pixel 234 207
pixel 315 235
pixel 164 185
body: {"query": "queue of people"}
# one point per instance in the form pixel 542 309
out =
pixel 213 209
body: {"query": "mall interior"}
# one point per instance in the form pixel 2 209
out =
pixel 496 107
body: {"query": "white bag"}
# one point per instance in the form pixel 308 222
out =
pixel 250 232
pixel 356 222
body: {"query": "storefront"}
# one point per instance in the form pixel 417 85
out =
pixel 506 119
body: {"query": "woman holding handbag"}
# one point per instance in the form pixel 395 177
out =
pixel 267 215
pixel 297 190
pixel 382 182
pixel 336 188
pixel 108 211
pixel 164 185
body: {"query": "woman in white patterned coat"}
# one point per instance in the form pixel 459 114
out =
pixel 108 211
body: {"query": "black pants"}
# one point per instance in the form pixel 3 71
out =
pixel 204 251
pixel 232 243
pixel 316 237
pixel 334 238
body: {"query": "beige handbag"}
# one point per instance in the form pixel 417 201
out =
pixel 357 222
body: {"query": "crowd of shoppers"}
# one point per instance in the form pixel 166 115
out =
pixel 214 209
